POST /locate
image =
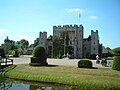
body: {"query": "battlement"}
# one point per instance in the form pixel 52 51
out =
pixel 67 26
pixel 44 32
pixel 94 31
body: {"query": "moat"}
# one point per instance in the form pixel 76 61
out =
pixel 10 84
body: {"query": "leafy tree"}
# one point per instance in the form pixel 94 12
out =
pixel 66 42
pixel 57 47
pixel 116 51
pixel 61 45
pixel 8 45
pixel 23 44
pixel 36 42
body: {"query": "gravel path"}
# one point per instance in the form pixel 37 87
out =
pixel 66 62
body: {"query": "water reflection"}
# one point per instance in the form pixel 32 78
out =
pixel 22 85
pixel 5 86
pixel 32 87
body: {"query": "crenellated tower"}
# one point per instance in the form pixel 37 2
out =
pixel 43 38
pixel 94 42
pixel 75 34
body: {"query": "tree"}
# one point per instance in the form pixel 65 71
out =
pixel 23 44
pixel 8 45
pixel 56 46
pixel 36 42
pixel 66 42
pixel 65 37
pixel 116 51
pixel 61 45
pixel 116 62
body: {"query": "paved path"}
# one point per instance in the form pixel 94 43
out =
pixel 66 62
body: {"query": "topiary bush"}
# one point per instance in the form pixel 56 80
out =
pixel 116 63
pixel 85 64
pixel 39 56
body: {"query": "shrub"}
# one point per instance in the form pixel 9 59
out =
pixel 85 64
pixel 39 52
pixel 116 63
pixel 39 56
pixel 35 62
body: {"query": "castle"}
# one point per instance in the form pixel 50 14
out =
pixel 69 40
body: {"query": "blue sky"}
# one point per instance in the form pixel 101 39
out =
pixel 26 18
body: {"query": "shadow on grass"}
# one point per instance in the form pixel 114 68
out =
pixel 50 65
pixel 90 68
pixel 94 68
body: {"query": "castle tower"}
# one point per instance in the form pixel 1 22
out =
pixel 43 38
pixel 75 34
pixel 79 41
pixel 94 42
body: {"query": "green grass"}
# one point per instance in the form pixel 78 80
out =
pixel 102 78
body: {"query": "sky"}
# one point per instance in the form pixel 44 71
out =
pixel 24 19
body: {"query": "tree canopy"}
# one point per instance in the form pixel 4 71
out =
pixel 116 51
pixel 23 44
pixel 10 45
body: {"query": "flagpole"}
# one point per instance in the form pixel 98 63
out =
pixel 79 18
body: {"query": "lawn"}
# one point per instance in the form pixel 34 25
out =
pixel 101 78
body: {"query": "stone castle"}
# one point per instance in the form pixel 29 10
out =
pixel 69 40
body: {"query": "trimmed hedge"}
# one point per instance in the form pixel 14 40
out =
pixel 39 57
pixel 39 51
pixel 34 60
pixel 85 64
pixel 116 63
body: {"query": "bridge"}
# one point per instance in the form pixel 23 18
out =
pixel 4 60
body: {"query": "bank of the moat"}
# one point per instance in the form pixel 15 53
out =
pixel 101 78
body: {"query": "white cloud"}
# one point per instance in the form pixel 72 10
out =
pixel 93 17
pixel 2 30
pixel 74 10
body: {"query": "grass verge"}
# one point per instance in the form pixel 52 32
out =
pixel 101 78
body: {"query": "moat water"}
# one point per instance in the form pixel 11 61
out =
pixel 10 84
